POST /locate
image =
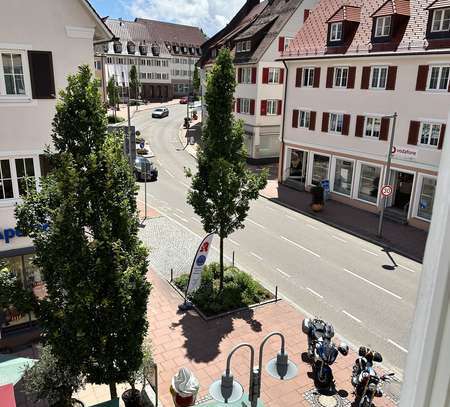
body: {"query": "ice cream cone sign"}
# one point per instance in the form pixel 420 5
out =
pixel 184 388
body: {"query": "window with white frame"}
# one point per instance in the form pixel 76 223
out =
pixel 304 119
pixel 308 77
pixel 274 75
pixel 320 167
pixel 336 32
pixel 426 198
pixel 336 122
pixel 369 182
pixel 6 182
pixel 372 127
pixel 438 78
pixel 12 78
pixel 243 46
pixel 272 107
pixel 429 134
pixel 343 176
pixel 378 77
pixel 98 65
pixel 25 175
pixel 245 106
pixel 441 20
pixel 287 41
pixel 246 75
pixel 383 26
pixel 340 77
pixel 109 60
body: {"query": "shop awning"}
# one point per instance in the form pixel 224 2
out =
pixel 7 398
pixel 12 369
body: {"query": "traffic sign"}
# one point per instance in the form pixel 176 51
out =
pixel 142 144
pixel 386 190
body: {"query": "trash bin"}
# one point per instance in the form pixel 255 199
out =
pixel 184 388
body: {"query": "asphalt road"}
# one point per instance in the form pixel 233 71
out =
pixel 319 269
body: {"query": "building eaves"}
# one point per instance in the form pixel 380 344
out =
pixel 102 32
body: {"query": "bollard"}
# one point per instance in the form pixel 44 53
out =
pixel 233 258
pixel 276 293
pixel 171 275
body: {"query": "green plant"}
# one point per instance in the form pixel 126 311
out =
pixel 51 381
pixel 223 186
pixel 113 93
pixel 92 260
pixel 113 119
pixel 134 84
pixel 196 81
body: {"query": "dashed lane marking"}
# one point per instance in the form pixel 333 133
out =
pixel 179 217
pixel 312 227
pixel 255 255
pixel 351 316
pixel 314 292
pixel 234 242
pixel 282 272
pixel 397 346
pixel 406 268
pixel 300 246
pixel 256 223
pixel 196 220
pixel 368 251
pixel 338 238
pixel 170 174
pixel 290 217
pixel 179 210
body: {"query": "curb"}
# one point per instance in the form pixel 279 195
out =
pixel 183 139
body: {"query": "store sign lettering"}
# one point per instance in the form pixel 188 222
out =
pixel 9 234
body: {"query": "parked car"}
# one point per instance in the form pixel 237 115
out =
pixel 184 100
pixel 160 112
pixel 140 165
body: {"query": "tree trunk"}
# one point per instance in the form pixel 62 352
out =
pixel 113 390
pixel 221 264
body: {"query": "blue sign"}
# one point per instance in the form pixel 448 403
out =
pixel 201 260
pixel 10 233
pixel 326 185
pixel 142 144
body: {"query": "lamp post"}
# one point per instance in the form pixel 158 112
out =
pixel 387 174
pixel 227 390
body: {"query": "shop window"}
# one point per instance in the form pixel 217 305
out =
pixel 426 199
pixel 297 168
pixel 343 177
pixel 321 164
pixel 429 134
pixel 25 175
pixel 6 188
pixel 369 182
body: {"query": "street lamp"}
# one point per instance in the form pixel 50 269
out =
pixel 227 390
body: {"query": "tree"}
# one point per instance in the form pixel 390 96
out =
pixel 134 83
pixel 92 260
pixel 196 80
pixel 223 186
pixel 113 93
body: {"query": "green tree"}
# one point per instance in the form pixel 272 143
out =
pixel 223 186
pixel 92 260
pixel 134 83
pixel 196 81
pixel 113 93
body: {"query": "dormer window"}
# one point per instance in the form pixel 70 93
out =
pixel 243 46
pixel 441 20
pixel 336 32
pixel 383 26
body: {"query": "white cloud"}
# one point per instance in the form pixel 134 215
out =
pixel 210 15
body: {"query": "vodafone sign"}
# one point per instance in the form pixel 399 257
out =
pixel 404 153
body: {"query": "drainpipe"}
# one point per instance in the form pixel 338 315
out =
pixel 280 170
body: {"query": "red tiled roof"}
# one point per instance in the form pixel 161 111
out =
pixel 311 40
pixel 346 13
pixel 393 7
pixel 439 4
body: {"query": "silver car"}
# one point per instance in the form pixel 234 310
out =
pixel 160 112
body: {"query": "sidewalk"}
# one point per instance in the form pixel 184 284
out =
pixel 184 339
pixel 403 239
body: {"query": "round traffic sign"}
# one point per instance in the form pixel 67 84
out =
pixel 142 144
pixel 386 190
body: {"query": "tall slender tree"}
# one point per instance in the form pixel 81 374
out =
pixel 134 83
pixel 113 93
pixel 196 81
pixel 223 186
pixel 92 260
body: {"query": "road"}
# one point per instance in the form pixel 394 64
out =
pixel 319 269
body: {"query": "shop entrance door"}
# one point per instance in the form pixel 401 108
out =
pixel 402 183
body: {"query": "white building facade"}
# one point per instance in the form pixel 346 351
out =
pixel 338 102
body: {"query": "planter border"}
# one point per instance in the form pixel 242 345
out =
pixel 227 313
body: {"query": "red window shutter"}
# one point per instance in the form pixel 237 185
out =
pixel 305 14
pixel 441 138
pixel 279 107
pixel 312 120
pixel 265 76
pixel 351 77
pixel 295 119
pixel 254 75
pixel 360 121
pixel 263 107
pixel 413 136
pixel 239 75
pixel 392 78
pixel 330 76
pixel 281 44
pixel 298 78
pixel 281 75
pixel 252 106
pixel 238 105
pixel 325 120
pixel 346 125
pixel 316 77
pixel 384 131
pixel 422 77
pixel 365 77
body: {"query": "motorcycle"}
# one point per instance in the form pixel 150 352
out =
pixel 322 352
pixel 365 379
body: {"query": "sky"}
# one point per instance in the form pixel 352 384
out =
pixel 210 15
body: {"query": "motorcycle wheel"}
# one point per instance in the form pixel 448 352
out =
pixel 324 381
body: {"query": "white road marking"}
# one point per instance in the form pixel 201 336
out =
pixel 184 184
pixel 282 272
pixel 368 251
pixel 338 238
pixel 315 293
pixel 311 226
pixel 170 174
pixel 256 223
pixel 196 220
pixel 269 208
pixel 300 247
pixel 351 316
pixel 164 202
pixel 255 255
pixel 397 346
pixel 179 217
pixel 179 210
pixel 234 242
pixel 290 217
pixel 373 284
pixel 406 268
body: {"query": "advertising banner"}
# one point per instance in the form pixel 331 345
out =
pixel 199 261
